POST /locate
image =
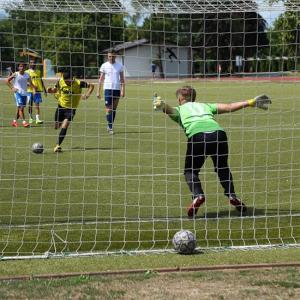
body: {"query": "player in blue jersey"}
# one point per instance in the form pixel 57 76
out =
pixel 206 138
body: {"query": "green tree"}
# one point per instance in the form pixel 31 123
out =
pixel 213 38
pixel 68 39
pixel 285 41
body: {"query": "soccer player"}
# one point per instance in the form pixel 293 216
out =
pixel 68 92
pixel 153 69
pixel 112 77
pixel 18 83
pixel 206 138
pixel 36 78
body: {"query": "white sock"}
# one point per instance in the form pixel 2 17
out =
pixel 37 117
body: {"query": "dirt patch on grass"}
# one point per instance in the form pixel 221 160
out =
pixel 277 283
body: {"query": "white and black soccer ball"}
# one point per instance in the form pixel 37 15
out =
pixel 184 242
pixel 37 148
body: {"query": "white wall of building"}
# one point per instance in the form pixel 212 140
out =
pixel 137 61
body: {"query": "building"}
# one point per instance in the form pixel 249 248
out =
pixel 138 56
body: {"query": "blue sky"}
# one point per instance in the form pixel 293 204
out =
pixel 270 13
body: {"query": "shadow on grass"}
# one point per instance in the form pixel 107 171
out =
pixel 251 212
pixel 94 148
pixel 20 126
pixel 132 132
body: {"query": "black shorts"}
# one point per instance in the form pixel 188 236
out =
pixel 63 113
pixel 202 145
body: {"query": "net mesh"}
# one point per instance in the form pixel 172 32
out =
pixel 127 192
pixel 155 6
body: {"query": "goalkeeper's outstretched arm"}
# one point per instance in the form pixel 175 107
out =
pixel 159 104
pixel 169 110
pixel 262 101
pixel 231 107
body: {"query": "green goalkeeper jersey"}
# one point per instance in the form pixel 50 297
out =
pixel 196 117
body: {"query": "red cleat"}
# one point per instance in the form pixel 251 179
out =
pixel 238 204
pixel 25 124
pixel 14 123
pixel 193 208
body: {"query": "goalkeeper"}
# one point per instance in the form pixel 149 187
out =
pixel 206 138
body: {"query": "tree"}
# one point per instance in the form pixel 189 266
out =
pixel 67 39
pixel 212 37
pixel 285 40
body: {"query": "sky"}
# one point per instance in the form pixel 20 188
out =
pixel 269 13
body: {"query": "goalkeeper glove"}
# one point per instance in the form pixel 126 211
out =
pixel 158 104
pixel 261 101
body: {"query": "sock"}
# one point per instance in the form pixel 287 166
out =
pixel 37 117
pixel 114 112
pixel 109 118
pixel 62 135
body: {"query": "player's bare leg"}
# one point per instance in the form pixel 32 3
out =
pixel 21 116
pixel 37 118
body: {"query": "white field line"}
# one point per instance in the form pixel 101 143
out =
pixel 17 177
pixel 139 220
pixel 22 177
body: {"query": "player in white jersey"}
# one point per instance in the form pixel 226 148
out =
pixel 18 83
pixel 112 78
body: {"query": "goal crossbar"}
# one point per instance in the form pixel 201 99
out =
pixel 146 6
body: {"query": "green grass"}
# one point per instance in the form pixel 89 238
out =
pixel 250 284
pixel 150 262
pixel 127 192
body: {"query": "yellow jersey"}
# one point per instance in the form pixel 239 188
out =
pixel 69 96
pixel 35 76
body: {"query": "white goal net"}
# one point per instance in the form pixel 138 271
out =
pixel 126 192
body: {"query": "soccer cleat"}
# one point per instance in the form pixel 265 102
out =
pixel 110 131
pixel 25 124
pixel 30 121
pixel 238 204
pixel 39 122
pixel 193 208
pixel 57 148
pixel 14 123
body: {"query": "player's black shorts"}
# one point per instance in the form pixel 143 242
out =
pixel 63 113
pixel 205 144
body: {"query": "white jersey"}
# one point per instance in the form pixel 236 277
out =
pixel 20 82
pixel 112 75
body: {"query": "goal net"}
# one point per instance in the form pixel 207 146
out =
pixel 126 192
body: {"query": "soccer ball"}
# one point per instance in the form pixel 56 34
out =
pixel 184 242
pixel 37 148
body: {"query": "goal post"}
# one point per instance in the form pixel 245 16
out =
pixel 126 192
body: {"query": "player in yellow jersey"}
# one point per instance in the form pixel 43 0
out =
pixel 68 91
pixel 36 78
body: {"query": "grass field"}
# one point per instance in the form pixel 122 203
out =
pixel 263 283
pixel 234 285
pixel 127 192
